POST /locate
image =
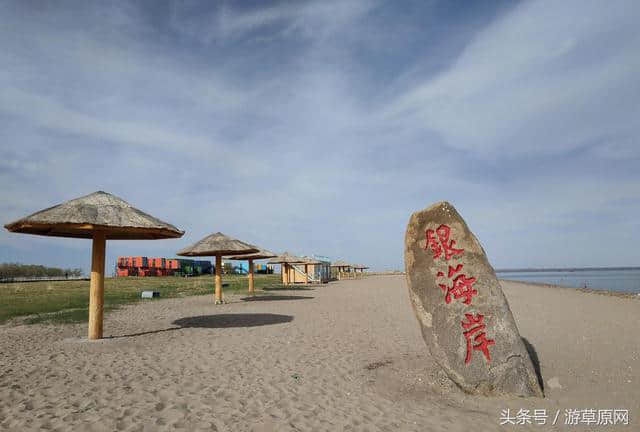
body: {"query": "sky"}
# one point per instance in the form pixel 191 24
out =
pixel 318 127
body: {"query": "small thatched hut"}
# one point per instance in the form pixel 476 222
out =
pixel 341 268
pixel 286 260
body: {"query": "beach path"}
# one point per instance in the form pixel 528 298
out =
pixel 342 356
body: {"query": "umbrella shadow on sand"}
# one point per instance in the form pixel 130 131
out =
pixel 275 298
pixel 218 321
pixel 288 288
pixel 232 320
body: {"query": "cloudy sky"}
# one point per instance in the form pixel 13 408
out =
pixel 319 127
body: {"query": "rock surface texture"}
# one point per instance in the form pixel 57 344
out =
pixel 464 316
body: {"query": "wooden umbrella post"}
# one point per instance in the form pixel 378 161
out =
pixel 251 287
pixel 96 286
pixel 218 278
pixel 306 274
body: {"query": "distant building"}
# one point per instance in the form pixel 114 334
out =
pixel 144 267
pixel 318 273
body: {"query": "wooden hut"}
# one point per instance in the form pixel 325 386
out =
pixel 286 261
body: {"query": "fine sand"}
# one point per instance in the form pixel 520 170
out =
pixel 343 356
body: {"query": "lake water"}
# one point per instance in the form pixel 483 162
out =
pixel 627 280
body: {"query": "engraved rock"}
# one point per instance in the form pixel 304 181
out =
pixel 465 319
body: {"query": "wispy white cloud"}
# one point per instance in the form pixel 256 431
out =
pixel 541 78
pixel 314 19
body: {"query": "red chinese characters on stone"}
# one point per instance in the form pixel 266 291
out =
pixel 462 286
pixel 442 243
pixel 459 286
pixel 475 326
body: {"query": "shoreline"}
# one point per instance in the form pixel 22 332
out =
pixel 621 294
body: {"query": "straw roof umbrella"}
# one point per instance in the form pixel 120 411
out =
pixel 99 216
pixel 285 260
pixel 261 254
pixel 218 245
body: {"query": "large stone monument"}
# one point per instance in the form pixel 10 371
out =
pixel 464 316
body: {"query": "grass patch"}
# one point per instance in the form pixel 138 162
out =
pixel 68 301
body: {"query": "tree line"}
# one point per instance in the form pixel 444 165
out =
pixel 13 270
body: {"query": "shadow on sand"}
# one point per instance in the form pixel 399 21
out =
pixel 288 288
pixel 275 298
pixel 232 320
pixel 218 321
pixel 535 360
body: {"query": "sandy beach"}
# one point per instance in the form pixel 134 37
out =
pixel 343 356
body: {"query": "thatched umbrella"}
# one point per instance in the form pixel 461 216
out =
pixel 261 254
pixel 99 216
pixel 218 245
pixel 285 260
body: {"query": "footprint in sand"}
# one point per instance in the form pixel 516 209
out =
pixel 554 383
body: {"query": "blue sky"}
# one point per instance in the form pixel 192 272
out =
pixel 319 127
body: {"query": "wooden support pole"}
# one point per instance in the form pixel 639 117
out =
pixel 218 278
pixel 96 286
pixel 285 272
pixel 306 274
pixel 251 287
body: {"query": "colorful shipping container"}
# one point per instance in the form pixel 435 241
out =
pixel 144 266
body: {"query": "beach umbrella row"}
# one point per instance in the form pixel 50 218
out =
pixel 101 216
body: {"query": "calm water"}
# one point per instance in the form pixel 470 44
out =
pixel 609 280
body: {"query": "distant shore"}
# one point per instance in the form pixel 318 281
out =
pixel 605 292
pixel 568 269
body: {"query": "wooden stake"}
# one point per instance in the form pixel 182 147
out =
pixel 218 278
pixel 251 288
pixel 286 273
pixel 96 286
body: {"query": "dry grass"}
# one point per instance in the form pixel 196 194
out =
pixel 67 301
